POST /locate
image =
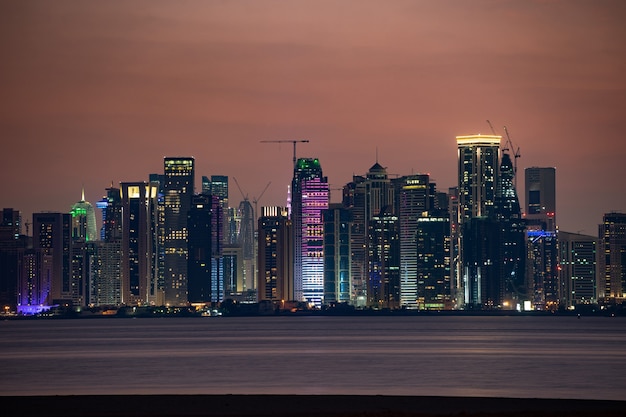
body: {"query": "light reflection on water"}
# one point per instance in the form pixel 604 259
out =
pixel 539 357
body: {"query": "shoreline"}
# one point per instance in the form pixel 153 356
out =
pixel 302 406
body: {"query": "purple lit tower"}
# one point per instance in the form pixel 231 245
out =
pixel 309 198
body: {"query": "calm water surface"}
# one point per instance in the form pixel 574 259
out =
pixel 526 357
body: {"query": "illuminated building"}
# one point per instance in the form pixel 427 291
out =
pixel 178 189
pixel 139 215
pixel 35 282
pixel 275 256
pixel 478 169
pixel 577 269
pixel 309 198
pixel 365 197
pixel 433 262
pixel 542 275
pixel 232 256
pixel 84 220
pixel 354 197
pixel 512 252
pixel 12 247
pixel 111 206
pixel 105 273
pixel 383 243
pixel 540 190
pixel 337 245
pixel 612 257
pixel 52 236
pixel 413 199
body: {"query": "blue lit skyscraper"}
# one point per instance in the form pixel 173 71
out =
pixel 310 194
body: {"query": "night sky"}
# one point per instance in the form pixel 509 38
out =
pixel 95 92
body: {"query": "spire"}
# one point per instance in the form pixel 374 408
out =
pixel 83 194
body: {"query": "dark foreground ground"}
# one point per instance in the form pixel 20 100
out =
pixel 300 406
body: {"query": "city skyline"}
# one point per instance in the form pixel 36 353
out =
pixel 97 93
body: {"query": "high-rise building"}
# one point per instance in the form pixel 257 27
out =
pixel 200 260
pixel 354 196
pixel 232 256
pixel 540 190
pixel 52 235
pixel 542 275
pixel 612 257
pixel 139 227
pixel 365 197
pixel 178 189
pixel 412 200
pixel 246 241
pixel 105 273
pixel 83 220
pixel 275 256
pixel 478 168
pixel 12 247
pixel 577 269
pixel 433 262
pixel 35 281
pixel 309 198
pixel 111 206
pixel 383 244
pixel 512 238
pixel 337 249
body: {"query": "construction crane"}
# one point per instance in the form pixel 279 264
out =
pixel 256 200
pixel 492 129
pixel 516 155
pixel 288 141
pixel 245 196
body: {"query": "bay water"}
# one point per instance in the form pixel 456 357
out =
pixel 480 356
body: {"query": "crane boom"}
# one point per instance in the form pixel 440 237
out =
pixel 288 141
pixel 516 154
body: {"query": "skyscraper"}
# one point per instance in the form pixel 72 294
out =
pixel 512 253
pixel 178 189
pixel 612 259
pixel 139 214
pixel 542 276
pixel 337 245
pixel 412 201
pixel 246 241
pixel 199 270
pixel 12 247
pixel 52 235
pixel 383 245
pixel 309 199
pixel 478 168
pixel 366 197
pixel 84 220
pixel 433 262
pixel 540 190
pixel 275 278
pixel 577 269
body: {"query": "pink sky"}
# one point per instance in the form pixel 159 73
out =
pixel 94 92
